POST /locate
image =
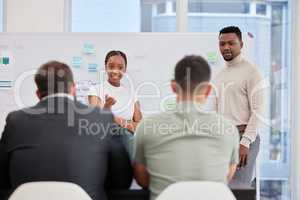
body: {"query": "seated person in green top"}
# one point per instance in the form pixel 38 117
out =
pixel 186 144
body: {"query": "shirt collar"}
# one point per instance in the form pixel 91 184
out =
pixel 112 86
pixel 59 95
pixel 234 61
pixel 189 106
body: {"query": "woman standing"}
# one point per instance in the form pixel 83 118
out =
pixel 113 95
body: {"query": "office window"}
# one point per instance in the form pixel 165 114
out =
pixel 261 9
pixel 106 16
pixel 174 6
pixel 122 16
pixel 146 17
pixel 161 8
pixel 276 162
pixel 194 7
pixel 218 7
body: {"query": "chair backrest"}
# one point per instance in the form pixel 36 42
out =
pixel 197 190
pixel 49 191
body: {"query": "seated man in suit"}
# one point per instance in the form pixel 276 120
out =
pixel 187 144
pixel 60 139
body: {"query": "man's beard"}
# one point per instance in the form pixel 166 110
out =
pixel 228 58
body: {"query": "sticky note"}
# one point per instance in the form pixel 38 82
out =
pixel 92 67
pixel 169 104
pixel 5 60
pixel 88 48
pixel 212 57
pixel 77 61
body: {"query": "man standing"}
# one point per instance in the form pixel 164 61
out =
pixel 239 99
pixel 187 144
pixel 60 139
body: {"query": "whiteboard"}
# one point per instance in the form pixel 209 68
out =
pixel 151 61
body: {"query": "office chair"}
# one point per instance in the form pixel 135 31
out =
pixel 197 190
pixel 49 191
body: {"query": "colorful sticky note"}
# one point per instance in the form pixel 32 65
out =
pixel 5 84
pixel 92 67
pixel 77 61
pixel 89 48
pixel 212 57
pixel 169 104
pixel 5 60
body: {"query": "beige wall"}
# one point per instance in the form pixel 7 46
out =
pixel 35 15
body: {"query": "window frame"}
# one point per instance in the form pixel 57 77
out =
pixel 266 9
pixel 164 8
pixel 4 16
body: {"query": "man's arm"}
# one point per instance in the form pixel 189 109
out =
pixel 119 170
pixel 140 171
pixel 119 175
pixel 141 175
pixel 4 173
pixel 255 95
pixel 4 168
pixel 93 97
pixel 234 155
pixel 4 160
pixel 231 172
pixel 131 125
pixel 94 101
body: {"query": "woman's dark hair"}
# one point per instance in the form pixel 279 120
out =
pixel 115 53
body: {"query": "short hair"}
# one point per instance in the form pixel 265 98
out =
pixel 115 53
pixel 232 29
pixel 191 71
pixel 53 77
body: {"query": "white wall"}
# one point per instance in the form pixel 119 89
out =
pixel 35 15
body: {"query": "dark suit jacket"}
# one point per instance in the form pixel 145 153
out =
pixel 62 140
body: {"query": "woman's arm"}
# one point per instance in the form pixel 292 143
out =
pixel 131 124
pixel 231 172
pixel 141 175
pixel 94 101
pixel 137 114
